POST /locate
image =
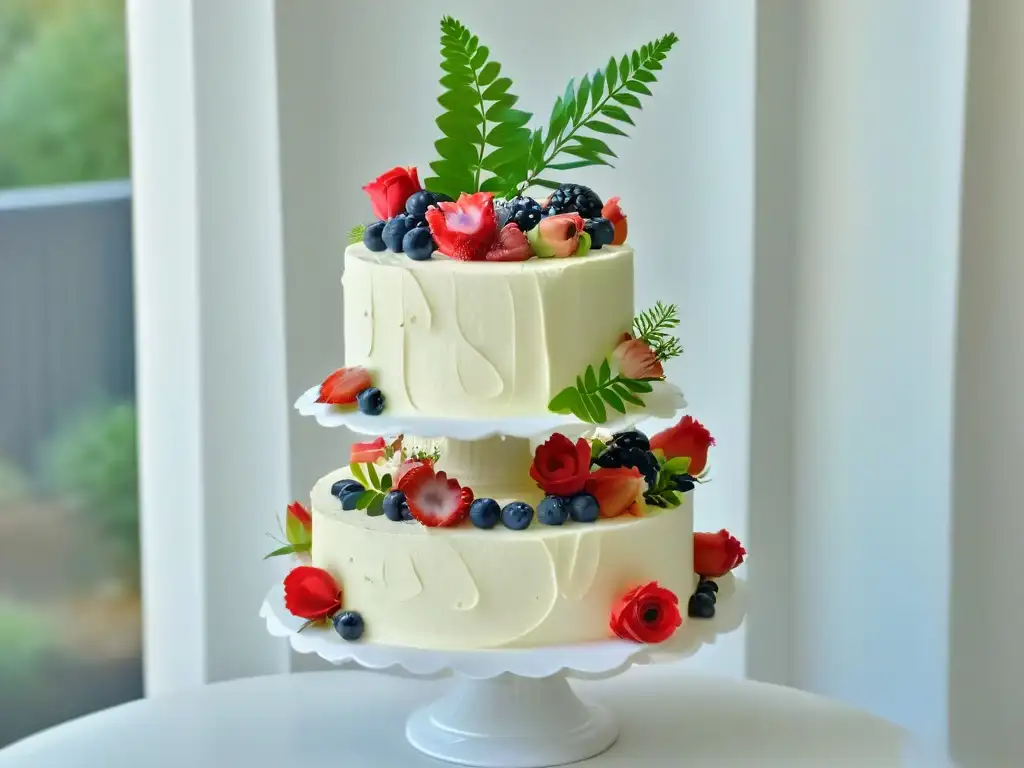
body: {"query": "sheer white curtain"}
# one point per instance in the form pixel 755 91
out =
pixel 827 187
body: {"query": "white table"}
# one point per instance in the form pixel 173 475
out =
pixel 355 719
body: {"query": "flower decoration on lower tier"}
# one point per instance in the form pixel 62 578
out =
pixel 714 555
pixel 298 530
pixel 646 614
pixel 313 594
pixel 352 387
pixel 489 148
pixel 623 378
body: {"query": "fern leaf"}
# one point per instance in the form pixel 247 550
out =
pixel 355 235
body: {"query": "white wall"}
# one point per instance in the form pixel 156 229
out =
pixel 358 83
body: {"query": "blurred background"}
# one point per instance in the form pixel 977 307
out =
pixel 70 622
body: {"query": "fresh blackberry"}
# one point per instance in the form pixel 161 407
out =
pixel 524 212
pixel 630 438
pixel 618 456
pixel 570 198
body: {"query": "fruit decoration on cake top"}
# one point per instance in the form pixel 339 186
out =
pixel 475 206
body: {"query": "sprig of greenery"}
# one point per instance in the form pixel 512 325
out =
pixel 355 235
pixel 483 133
pixel 596 108
pixel 652 326
pixel 664 494
pixel 434 455
pixel 371 499
pixel 587 398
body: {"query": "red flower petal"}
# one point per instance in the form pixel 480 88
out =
pixel 560 467
pixel 311 593
pixel 616 490
pixel 390 191
pixel 301 514
pixel 636 360
pixel 688 438
pixel 715 554
pixel 647 614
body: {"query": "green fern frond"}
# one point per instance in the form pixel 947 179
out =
pixel 355 235
pixel 652 326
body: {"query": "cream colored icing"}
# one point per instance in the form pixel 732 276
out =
pixel 479 339
pixel 454 588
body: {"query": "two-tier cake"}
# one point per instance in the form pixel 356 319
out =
pixel 469 300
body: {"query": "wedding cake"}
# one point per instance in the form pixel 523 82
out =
pixel 475 301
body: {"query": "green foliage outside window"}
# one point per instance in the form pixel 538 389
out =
pixel 63 92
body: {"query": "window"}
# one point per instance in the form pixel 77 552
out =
pixel 70 639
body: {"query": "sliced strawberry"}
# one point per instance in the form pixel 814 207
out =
pixel 409 468
pixel 434 499
pixel 369 452
pixel 342 386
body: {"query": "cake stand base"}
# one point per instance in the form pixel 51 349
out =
pixel 511 722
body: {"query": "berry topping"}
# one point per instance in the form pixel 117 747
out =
pixel 349 499
pixel 614 214
pixel 349 624
pixel 575 198
pixel 342 386
pixel 683 483
pixel 485 513
pixel 517 515
pixel 435 499
pixel 408 468
pixel 511 245
pixel 464 230
pixel 645 461
pixel 701 606
pixel 553 510
pixel 393 504
pixel 617 490
pixel 601 232
pixel 416 206
pixel 707 585
pixel 418 244
pixel 557 236
pixel 524 212
pixel 583 508
pixel 630 438
pixel 395 231
pixel 347 485
pixel 373 236
pixel 371 401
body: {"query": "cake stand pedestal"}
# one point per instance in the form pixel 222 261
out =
pixel 511 708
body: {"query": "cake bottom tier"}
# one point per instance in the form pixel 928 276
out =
pixel 465 588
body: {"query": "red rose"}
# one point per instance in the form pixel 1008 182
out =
pixel 688 438
pixel 636 360
pixel 715 554
pixel 311 593
pixel 389 192
pixel 560 467
pixel 617 490
pixel 466 229
pixel 647 614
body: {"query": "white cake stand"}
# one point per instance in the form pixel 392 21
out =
pixel 511 708
pixel 664 402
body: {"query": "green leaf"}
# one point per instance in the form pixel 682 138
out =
pixel 461 98
pixel 546 183
pixel 494 184
pixel 501 156
pixel 652 64
pixel 595 145
pixel 569 101
pixel 590 379
pixel 297 534
pixel 596 89
pixel 515 118
pixel 574 165
pixel 505 135
pixel 460 126
pixel 628 99
pixel 596 448
pixel 562 402
pixel 371 474
pixel 357 474
pixel 587 154
pixel 451 169
pixel 287 549
pixel 488 73
pixel 596 407
pixel 677 466
pixel 456 66
pixel 606 371
pixel 613 400
pixel 366 498
pixel 385 483
pixel 616 113
pixel 456 79
pixel 671 497
pixel 537 148
pixel 636 87
pixel 623 391
pixel 376 508
pixel 456 151
pixel 644 76
pixel 624 68
pixel 582 94
pixel 635 385
pixel 497 88
pixel 636 61
pixel 355 235
pixel 602 127
pixel 611 74
pixel 479 57
pixel 645 50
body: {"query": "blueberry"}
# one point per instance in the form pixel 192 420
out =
pixel 418 243
pixel 349 499
pixel 395 230
pixel 485 513
pixel 553 510
pixel 584 508
pixel 342 487
pixel 707 585
pixel 601 232
pixel 371 401
pixel 630 438
pixel 418 203
pixel 406 512
pixel 393 504
pixel 349 624
pixel 702 606
pixel 372 236
pixel 517 515
pixel 682 483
